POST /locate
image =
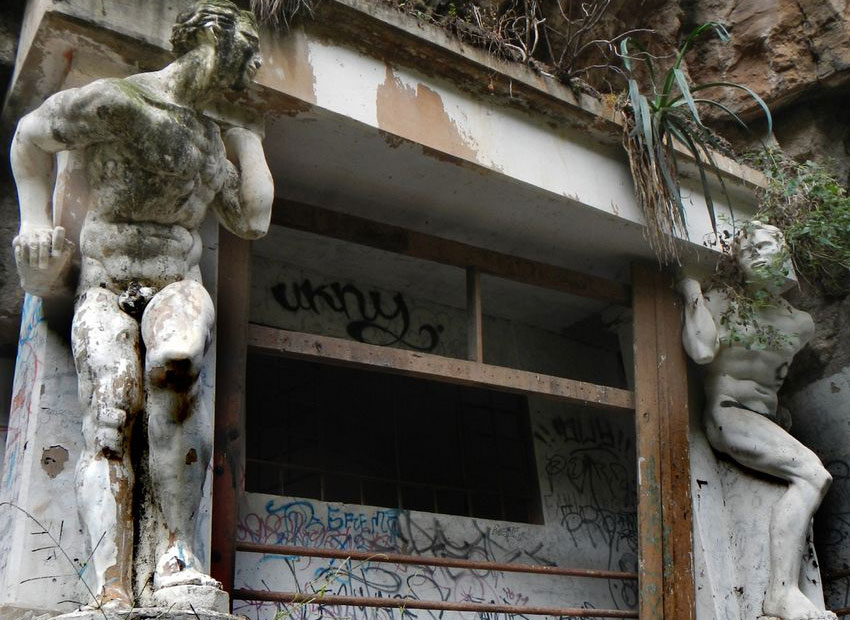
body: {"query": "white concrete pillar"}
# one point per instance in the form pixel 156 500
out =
pixel 43 443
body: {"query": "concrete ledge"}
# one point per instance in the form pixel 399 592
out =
pixel 371 28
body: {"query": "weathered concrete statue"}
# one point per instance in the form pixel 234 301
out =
pixel 746 349
pixel 142 320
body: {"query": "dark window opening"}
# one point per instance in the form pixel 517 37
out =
pixel 343 435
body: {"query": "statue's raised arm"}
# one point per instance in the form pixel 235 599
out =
pixel 66 121
pixel 699 335
pixel 244 205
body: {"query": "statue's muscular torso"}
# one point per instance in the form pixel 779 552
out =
pixel 747 374
pixel 151 181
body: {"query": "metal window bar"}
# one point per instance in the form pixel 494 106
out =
pixel 327 600
pixel 423 560
pixel 406 603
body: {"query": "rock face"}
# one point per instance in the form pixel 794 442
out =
pixel 793 53
pixel 781 49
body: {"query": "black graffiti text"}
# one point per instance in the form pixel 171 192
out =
pixel 372 317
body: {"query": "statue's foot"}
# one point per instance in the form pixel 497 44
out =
pixel 792 604
pixel 176 569
pixel 111 599
pixel 185 577
pixel 179 584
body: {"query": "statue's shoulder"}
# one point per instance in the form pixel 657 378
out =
pixel 101 98
pixel 803 324
pixel 717 299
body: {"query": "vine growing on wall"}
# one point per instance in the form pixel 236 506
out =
pixel 812 209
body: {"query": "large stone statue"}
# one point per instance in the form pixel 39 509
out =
pixel 142 320
pixel 746 343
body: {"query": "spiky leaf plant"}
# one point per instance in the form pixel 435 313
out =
pixel 654 123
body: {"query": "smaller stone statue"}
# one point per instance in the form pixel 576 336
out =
pixel 142 319
pixel 746 348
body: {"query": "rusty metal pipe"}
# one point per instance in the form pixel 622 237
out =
pixel 397 558
pixel 408 603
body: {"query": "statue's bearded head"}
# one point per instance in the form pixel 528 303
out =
pixel 761 254
pixel 233 33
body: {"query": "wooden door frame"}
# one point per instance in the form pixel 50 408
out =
pixel 660 398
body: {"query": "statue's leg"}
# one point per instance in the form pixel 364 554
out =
pixel 105 342
pixel 757 442
pixel 176 329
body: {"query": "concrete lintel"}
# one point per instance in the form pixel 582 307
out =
pixel 382 31
pixel 455 101
pixel 370 27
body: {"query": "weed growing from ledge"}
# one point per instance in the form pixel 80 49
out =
pixel 656 124
pixel 559 38
pixel 812 209
pixel 276 11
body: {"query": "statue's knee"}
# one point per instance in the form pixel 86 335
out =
pixel 818 478
pixel 822 480
pixel 174 373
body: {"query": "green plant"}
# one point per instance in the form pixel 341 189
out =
pixel 812 209
pixel 654 124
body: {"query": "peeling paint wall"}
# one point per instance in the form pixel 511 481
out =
pixel 45 413
pixel 407 104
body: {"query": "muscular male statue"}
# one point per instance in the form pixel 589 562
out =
pixel 746 360
pixel 142 320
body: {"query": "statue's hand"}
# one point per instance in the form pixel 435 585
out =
pixel 42 255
